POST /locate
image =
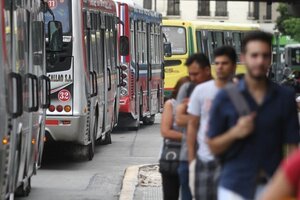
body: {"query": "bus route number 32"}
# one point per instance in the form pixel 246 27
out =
pixel 64 95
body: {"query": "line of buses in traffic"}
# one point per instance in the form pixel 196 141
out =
pixel 189 37
pixel 71 71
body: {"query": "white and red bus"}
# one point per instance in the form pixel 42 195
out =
pixel 84 75
pixel 141 66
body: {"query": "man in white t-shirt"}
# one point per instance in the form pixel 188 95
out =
pixel 207 167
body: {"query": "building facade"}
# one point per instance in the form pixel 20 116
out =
pixel 227 11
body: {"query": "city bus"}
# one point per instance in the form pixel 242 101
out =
pixel 5 105
pixel 84 75
pixel 199 36
pixel 180 34
pixel 25 93
pixel 141 66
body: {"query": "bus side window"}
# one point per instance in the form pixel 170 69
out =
pixel 199 42
pixel 219 39
pixel 228 38
pixel 112 42
pixel 205 43
pixel 157 44
pixel 211 45
pixel 140 43
pixel 152 44
pixel 237 43
pixel 94 52
pixel 100 45
pixel 145 47
pixel 107 43
pixel 132 42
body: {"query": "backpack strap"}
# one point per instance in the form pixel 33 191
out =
pixel 238 100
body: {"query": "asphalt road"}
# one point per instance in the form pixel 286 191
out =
pixel 100 179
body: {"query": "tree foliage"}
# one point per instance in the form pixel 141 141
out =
pixel 288 24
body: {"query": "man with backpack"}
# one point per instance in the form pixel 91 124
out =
pixel 199 71
pixel 207 167
pixel 249 135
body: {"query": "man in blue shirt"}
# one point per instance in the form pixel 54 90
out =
pixel 251 147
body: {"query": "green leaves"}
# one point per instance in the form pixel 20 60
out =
pixel 288 24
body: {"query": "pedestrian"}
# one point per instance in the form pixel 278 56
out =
pixel 250 143
pixel 207 167
pixel 199 72
pixel 172 136
pixel 286 182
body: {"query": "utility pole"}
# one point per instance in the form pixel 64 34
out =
pixel 155 5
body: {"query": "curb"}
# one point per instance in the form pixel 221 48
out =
pixel 130 182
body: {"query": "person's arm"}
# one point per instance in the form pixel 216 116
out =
pixel 285 182
pixel 192 130
pixel 223 141
pixel 279 188
pixel 167 123
pixel 219 137
pixel 182 117
pixel 291 124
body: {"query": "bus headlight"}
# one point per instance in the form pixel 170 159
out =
pixel 124 92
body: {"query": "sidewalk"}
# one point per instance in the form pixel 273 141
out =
pixel 141 183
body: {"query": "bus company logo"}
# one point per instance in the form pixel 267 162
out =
pixel 64 95
pixel 52 4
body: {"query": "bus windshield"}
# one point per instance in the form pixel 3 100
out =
pixel 62 13
pixel 177 37
pixel 295 56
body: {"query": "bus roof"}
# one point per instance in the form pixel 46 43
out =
pixel 145 14
pixel 292 46
pixel 174 22
pixel 212 25
pixel 224 26
pixel 104 5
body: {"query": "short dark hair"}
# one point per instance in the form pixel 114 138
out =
pixel 199 58
pixel 226 51
pixel 257 36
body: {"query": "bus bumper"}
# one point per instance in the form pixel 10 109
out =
pixel 125 105
pixel 67 129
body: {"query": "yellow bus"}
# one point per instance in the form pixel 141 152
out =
pixel 180 34
pixel 188 37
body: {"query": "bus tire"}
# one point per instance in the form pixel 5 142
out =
pixel 91 146
pixel 149 120
pixel 107 139
pixel 23 191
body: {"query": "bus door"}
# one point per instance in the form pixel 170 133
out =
pixel 20 64
pixel 100 71
pixel 137 70
pixel 37 69
pixel 149 48
pixel 108 73
pixel 114 70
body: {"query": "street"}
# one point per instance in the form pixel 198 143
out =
pixel 101 178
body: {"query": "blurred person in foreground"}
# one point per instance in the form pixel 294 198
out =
pixel 199 72
pixel 207 167
pixel 251 146
pixel 286 182
pixel 172 135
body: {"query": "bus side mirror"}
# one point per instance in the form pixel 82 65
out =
pixel 167 49
pixel 124 46
pixel 55 33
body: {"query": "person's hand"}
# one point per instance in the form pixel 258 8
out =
pixel 245 126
